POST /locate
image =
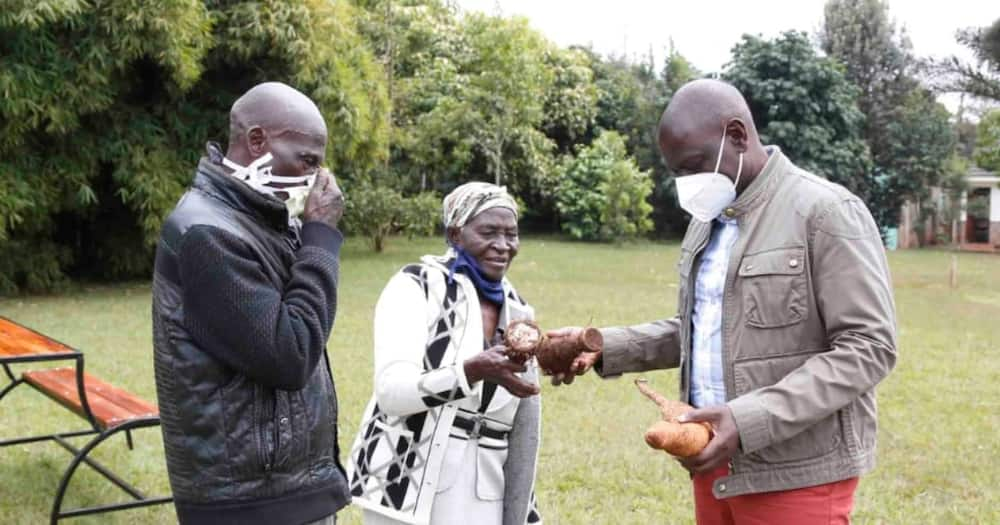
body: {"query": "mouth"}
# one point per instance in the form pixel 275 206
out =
pixel 496 263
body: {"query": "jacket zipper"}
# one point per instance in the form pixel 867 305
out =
pixel 261 434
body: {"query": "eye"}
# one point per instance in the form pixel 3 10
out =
pixel 312 161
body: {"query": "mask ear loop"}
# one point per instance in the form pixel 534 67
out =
pixel 718 160
pixel 739 172
pixel 250 173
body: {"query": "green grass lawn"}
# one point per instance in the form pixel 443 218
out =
pixel 938 441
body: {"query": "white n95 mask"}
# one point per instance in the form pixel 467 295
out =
pixel 262 180
pixel 705 195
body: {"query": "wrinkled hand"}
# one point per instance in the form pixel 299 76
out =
pixel 581 364
pixel 325 202
pixel 494 365
pixel 724 443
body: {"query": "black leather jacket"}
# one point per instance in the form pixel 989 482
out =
pixel 243 305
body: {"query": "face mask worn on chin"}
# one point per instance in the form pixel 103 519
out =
pixel 705 195
pixel 260 178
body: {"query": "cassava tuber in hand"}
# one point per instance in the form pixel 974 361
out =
pixel 679 439
pixel 525 339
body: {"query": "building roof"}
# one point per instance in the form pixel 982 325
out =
pixel 979 177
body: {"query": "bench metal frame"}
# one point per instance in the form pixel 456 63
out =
pixel 80 455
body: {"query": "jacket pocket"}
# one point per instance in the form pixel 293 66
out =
pixel 819 439
pixel 775 288
pixel 490 477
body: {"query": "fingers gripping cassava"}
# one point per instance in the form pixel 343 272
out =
pixel 680 439
pixel 525 339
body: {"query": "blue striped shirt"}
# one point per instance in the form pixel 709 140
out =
pixel 707 385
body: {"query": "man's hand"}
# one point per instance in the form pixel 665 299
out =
pixel 494 365
pixel 325 202
pixel 724 443
pixel 581 364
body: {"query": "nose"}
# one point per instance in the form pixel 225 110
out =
pixel 502 244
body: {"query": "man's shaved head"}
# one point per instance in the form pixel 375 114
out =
pixel 277 119
pixel 692 127
pixel 277 108
pixel 704 106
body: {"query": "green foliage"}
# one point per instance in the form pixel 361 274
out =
pixel 421 215
pixel 803 103
pixel 602 194
pixel 631 97
pixel 877 58
pixel 571 101
pixel 987 153
pixel 980 78
pixel 106 106
pixel 918 147
pixel 377 211
pixel 907 132
pixel 677 70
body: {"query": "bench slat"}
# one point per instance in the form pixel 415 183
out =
pixel 18 341
pixel 110 405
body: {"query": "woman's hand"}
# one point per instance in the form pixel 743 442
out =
pixel 493 365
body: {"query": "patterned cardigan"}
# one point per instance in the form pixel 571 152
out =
pixel 420 384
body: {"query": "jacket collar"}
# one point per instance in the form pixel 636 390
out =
pixel 762 187
pixel 213 178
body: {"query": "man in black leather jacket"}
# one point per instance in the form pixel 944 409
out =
pixel 244 299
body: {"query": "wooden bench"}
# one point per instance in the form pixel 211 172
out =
pixel 107 408
pixel 111 406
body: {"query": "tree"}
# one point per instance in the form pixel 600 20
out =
pixel 907 133
pixel 979 79
pixel 107 105
pixel 377 211
pixel 878 61
pixel 502 72
pixel 602 194
pixel 987 153
pixel 631 97
pixel 919 145
pixel 803 103
pixel 571 101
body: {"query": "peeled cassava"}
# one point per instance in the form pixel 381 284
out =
pixel 679 439
pixel 525 339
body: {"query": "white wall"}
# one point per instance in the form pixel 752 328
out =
pixel 995 204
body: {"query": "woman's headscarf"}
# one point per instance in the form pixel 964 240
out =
pixel 473 198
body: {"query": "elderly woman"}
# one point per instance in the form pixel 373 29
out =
pixel 451 433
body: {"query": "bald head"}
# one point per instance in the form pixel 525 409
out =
pixel 277 119
pixel 276 108
pixel 692 128
pixel 704 106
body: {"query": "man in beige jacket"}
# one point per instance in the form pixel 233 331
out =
pixel 785 321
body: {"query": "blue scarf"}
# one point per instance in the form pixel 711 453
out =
pixel 491 290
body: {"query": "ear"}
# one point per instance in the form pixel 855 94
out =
pixel 454 235
pixel 257 141
pixel 738 135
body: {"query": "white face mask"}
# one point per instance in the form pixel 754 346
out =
pixel 261 179
pixel 705 195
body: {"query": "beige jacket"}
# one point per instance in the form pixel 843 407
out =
pixel 809 329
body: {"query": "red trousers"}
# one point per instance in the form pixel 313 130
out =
pixel 828 504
